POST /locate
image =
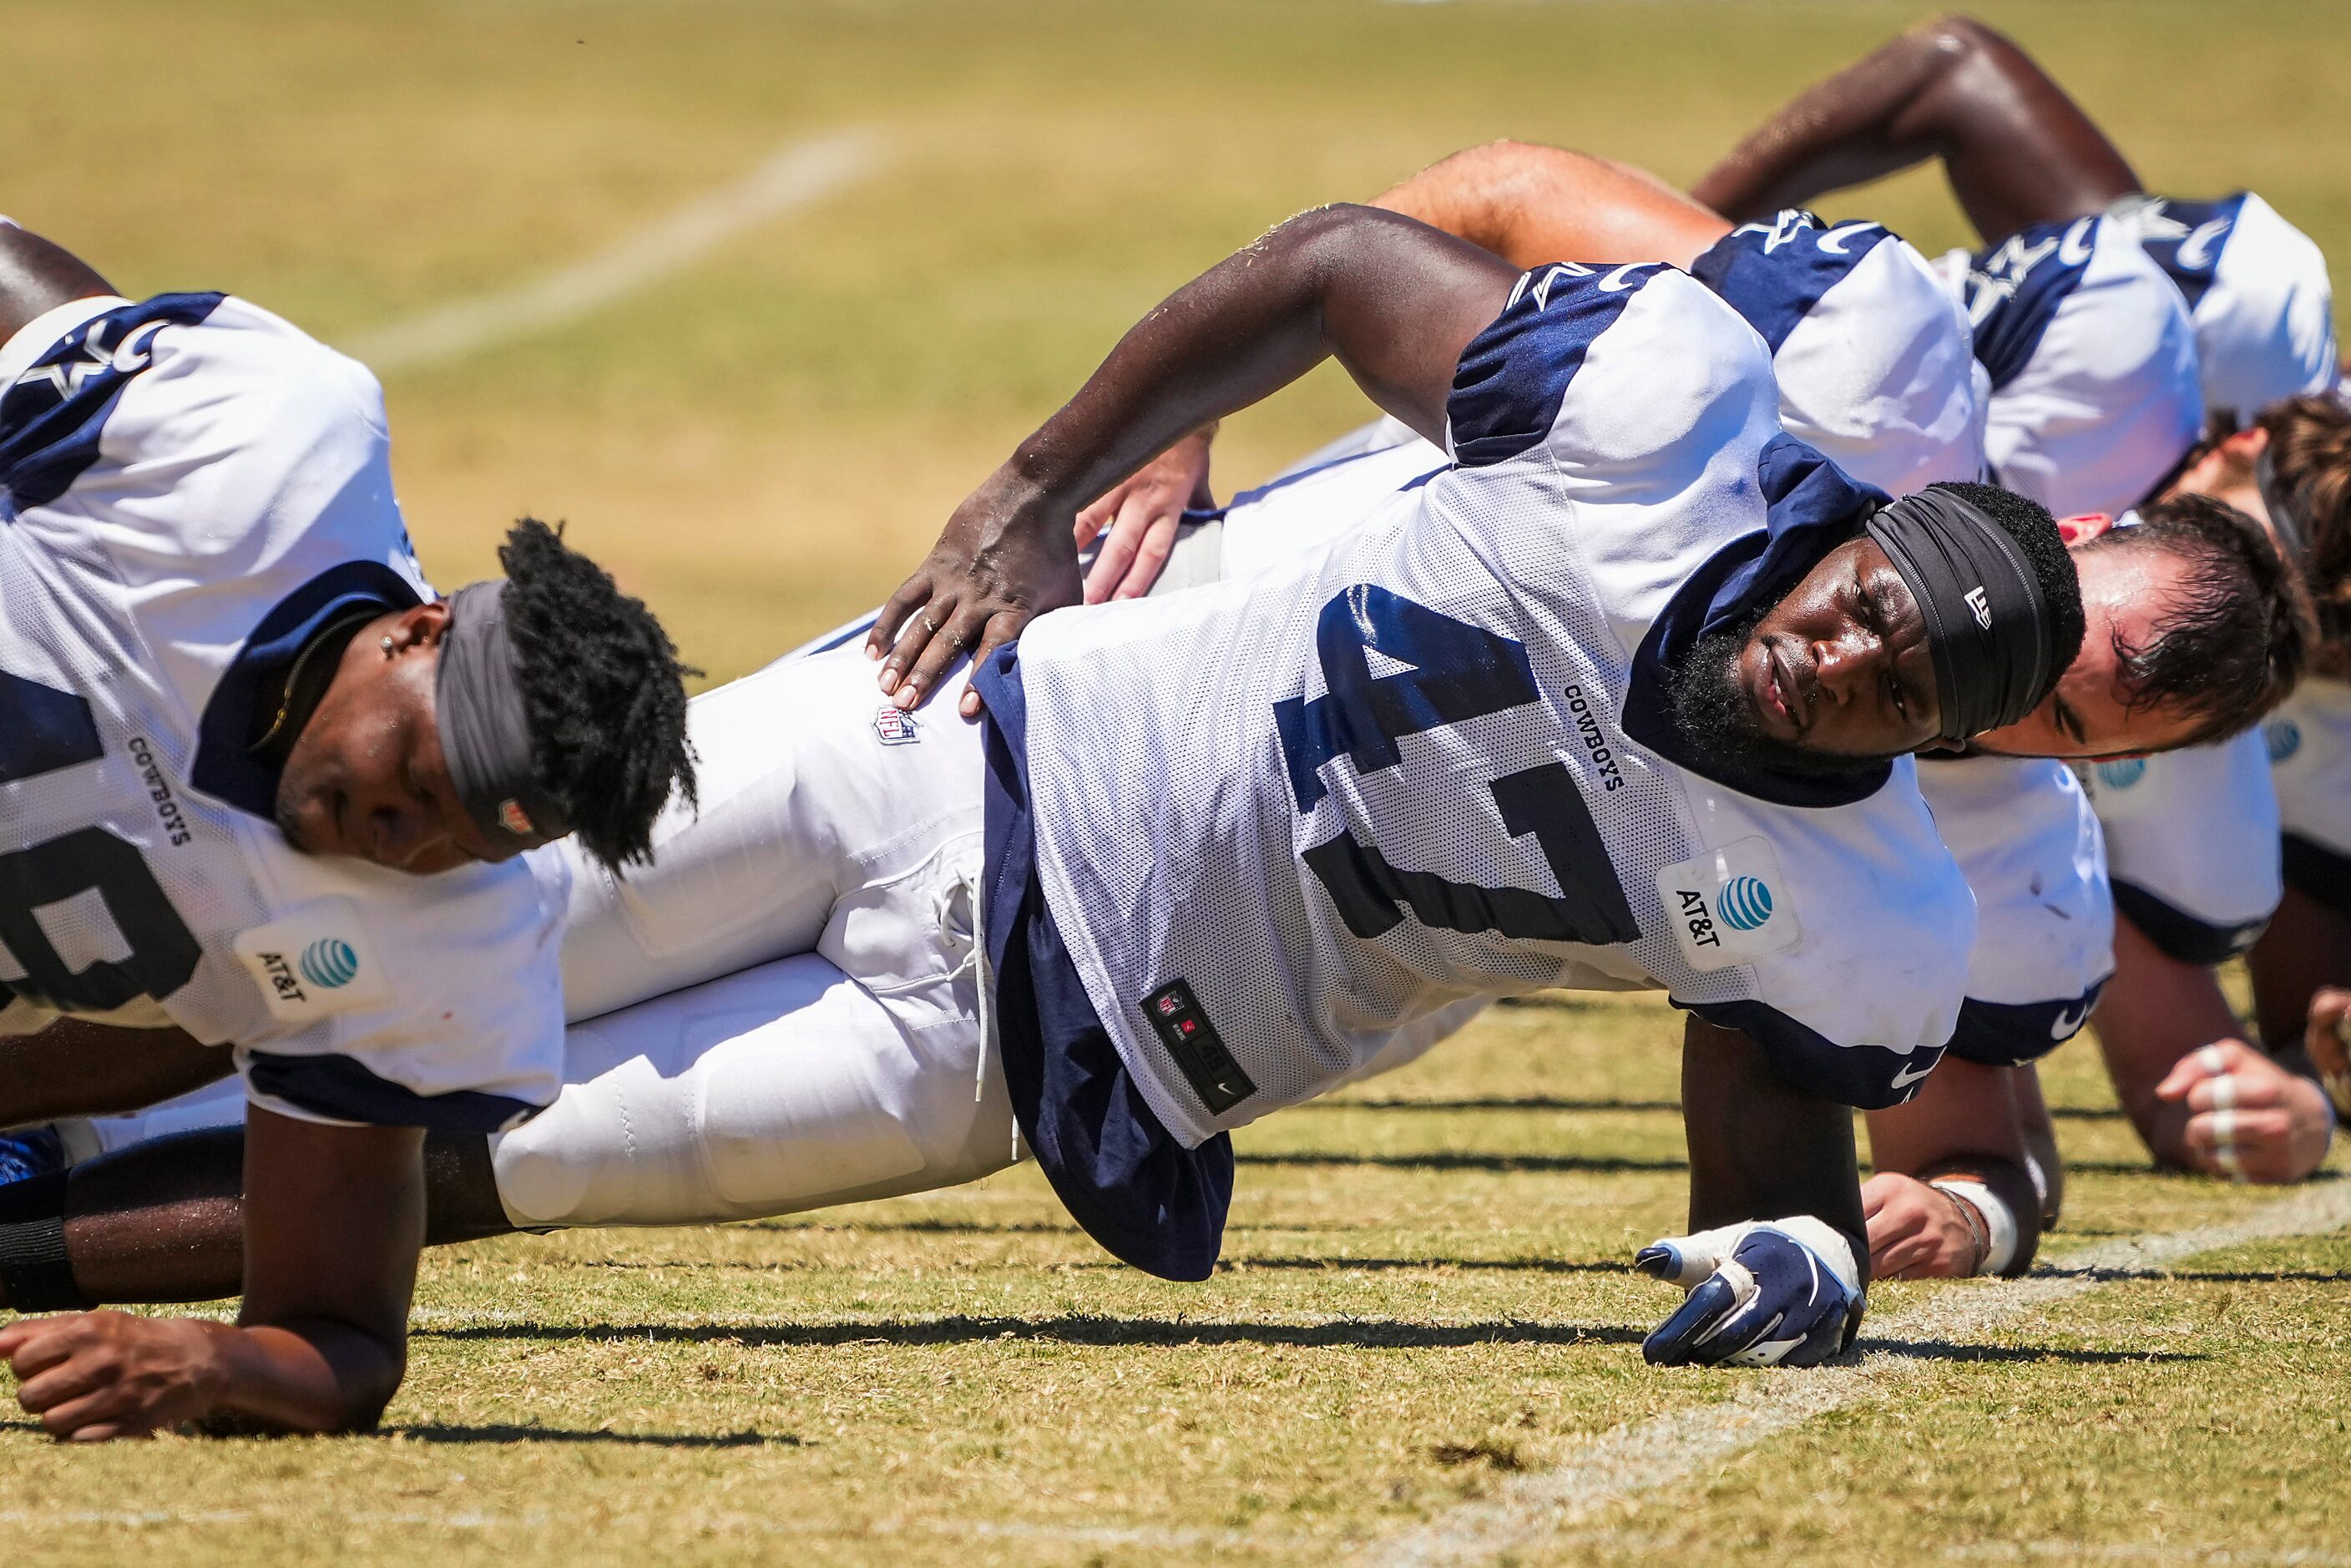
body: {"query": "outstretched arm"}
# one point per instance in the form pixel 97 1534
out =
pixel 321 1343
pixel 2017 150
pixel 1530 204
pixel 1394 300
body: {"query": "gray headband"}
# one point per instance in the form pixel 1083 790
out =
pixel 1987 621
pixel 485 733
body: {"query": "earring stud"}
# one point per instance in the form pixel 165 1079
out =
pixel 387 648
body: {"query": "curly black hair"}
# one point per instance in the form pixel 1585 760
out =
pixel 603 692
pixel 2028 522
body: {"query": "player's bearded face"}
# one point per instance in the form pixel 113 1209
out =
pixel 366 777
pixel 1836 671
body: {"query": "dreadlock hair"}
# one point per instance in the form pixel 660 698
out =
pixel 2310 465
pixel 2028 522
pixel 2232 643
pixel 604 693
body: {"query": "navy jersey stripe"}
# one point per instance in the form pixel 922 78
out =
pixel 2185 239
pixel 1773 274
pixel 52 415
pixel 1866 1077
pixel 1514 375
pixel 2014 291
pixel 344 1089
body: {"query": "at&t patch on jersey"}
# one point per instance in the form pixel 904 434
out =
pixel 316 962
pixel 1730 905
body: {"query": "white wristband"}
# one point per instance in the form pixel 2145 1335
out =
pixel 1999 1224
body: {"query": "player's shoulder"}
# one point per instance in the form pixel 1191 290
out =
pixel 1850 928
pixel 1776 273
pixel 1580 357
pixel 433 1001
pixel 184 379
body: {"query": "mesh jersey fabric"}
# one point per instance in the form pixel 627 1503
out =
pixel 1323 867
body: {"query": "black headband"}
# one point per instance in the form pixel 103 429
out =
pixel 1987 621
pixel 2292 543
pixel 485 734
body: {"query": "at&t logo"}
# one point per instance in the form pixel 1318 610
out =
pixel 2122 773
pixel 329 962
pixel 1744 903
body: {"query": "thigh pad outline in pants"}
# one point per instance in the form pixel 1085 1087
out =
pixel 784 1087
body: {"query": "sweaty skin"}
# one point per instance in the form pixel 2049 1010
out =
pixel 2017 150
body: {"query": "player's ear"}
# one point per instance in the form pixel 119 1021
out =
pixel 2077 531
pixel 420 627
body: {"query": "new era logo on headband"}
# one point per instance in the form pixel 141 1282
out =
pixel 1975 601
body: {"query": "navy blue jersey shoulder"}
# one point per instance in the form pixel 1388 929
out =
pixel 225 767
pixel 1514 375
pixel 1773 274
pixel 52 416
pixel 1866 1077
pixel 2010 1034
pixel 1811 506
pixel 2178 933
pixel 345 1090
pixel 2014 290
pixel 2186 239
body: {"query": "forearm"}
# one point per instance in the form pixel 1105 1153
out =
pixel 1760 1149
pixel 74 1068
pixel 301 1377
pixel 2017 150
pixel 1340 281
pixel 2156 1011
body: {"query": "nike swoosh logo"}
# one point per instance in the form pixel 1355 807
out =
pixel 1909 1075
pixel 1833 242
pixel 1618 281
pixel 2075 249
pixel 2068 1025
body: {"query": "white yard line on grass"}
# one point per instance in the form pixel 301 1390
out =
pixel 802 171
pixel 1655 1453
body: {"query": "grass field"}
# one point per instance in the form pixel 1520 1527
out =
pixel 1424 1324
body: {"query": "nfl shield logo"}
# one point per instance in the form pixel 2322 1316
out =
pixel 896 726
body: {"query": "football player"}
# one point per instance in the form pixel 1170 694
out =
pixel 1874 360
pixel 265 796
pixel 1619 700
pixel 2191 837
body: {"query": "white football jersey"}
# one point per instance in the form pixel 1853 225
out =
pixel 1874 365
pixel 1873 355
pixel 2192 844
pixel 2309 744
pixel 2257 290
pixel 191 487
pixel 1431 761
pixel 2093 364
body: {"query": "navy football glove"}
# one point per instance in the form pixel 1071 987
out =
pixel 1782 1292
